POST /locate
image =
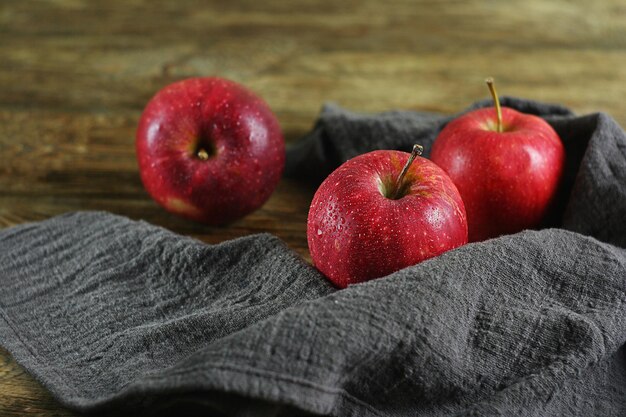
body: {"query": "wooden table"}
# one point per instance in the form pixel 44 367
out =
pixel 75 75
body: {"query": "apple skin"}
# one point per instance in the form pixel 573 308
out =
pixel 508 180
pixel 355 233
pixel 237 129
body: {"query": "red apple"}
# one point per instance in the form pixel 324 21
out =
pixel 372 216
pixel 209 149
pixel 506 165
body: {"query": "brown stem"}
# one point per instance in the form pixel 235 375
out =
pixel 202 154
pixel 494 94
pixel 417 150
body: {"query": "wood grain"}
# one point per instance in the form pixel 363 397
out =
pixel 75 75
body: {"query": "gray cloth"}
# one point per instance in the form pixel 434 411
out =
pixel 116 315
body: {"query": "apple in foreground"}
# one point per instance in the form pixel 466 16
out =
pixel 507 166
pixel 209 150
pixel 380 212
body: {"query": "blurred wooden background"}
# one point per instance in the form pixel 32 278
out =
pixel 75 75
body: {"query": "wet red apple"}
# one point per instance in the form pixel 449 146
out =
pixel 506 164
pixel 380 212
pixel 209 149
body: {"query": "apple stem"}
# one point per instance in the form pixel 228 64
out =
pixel 202 154
pixel 494 94
pixel 417 150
